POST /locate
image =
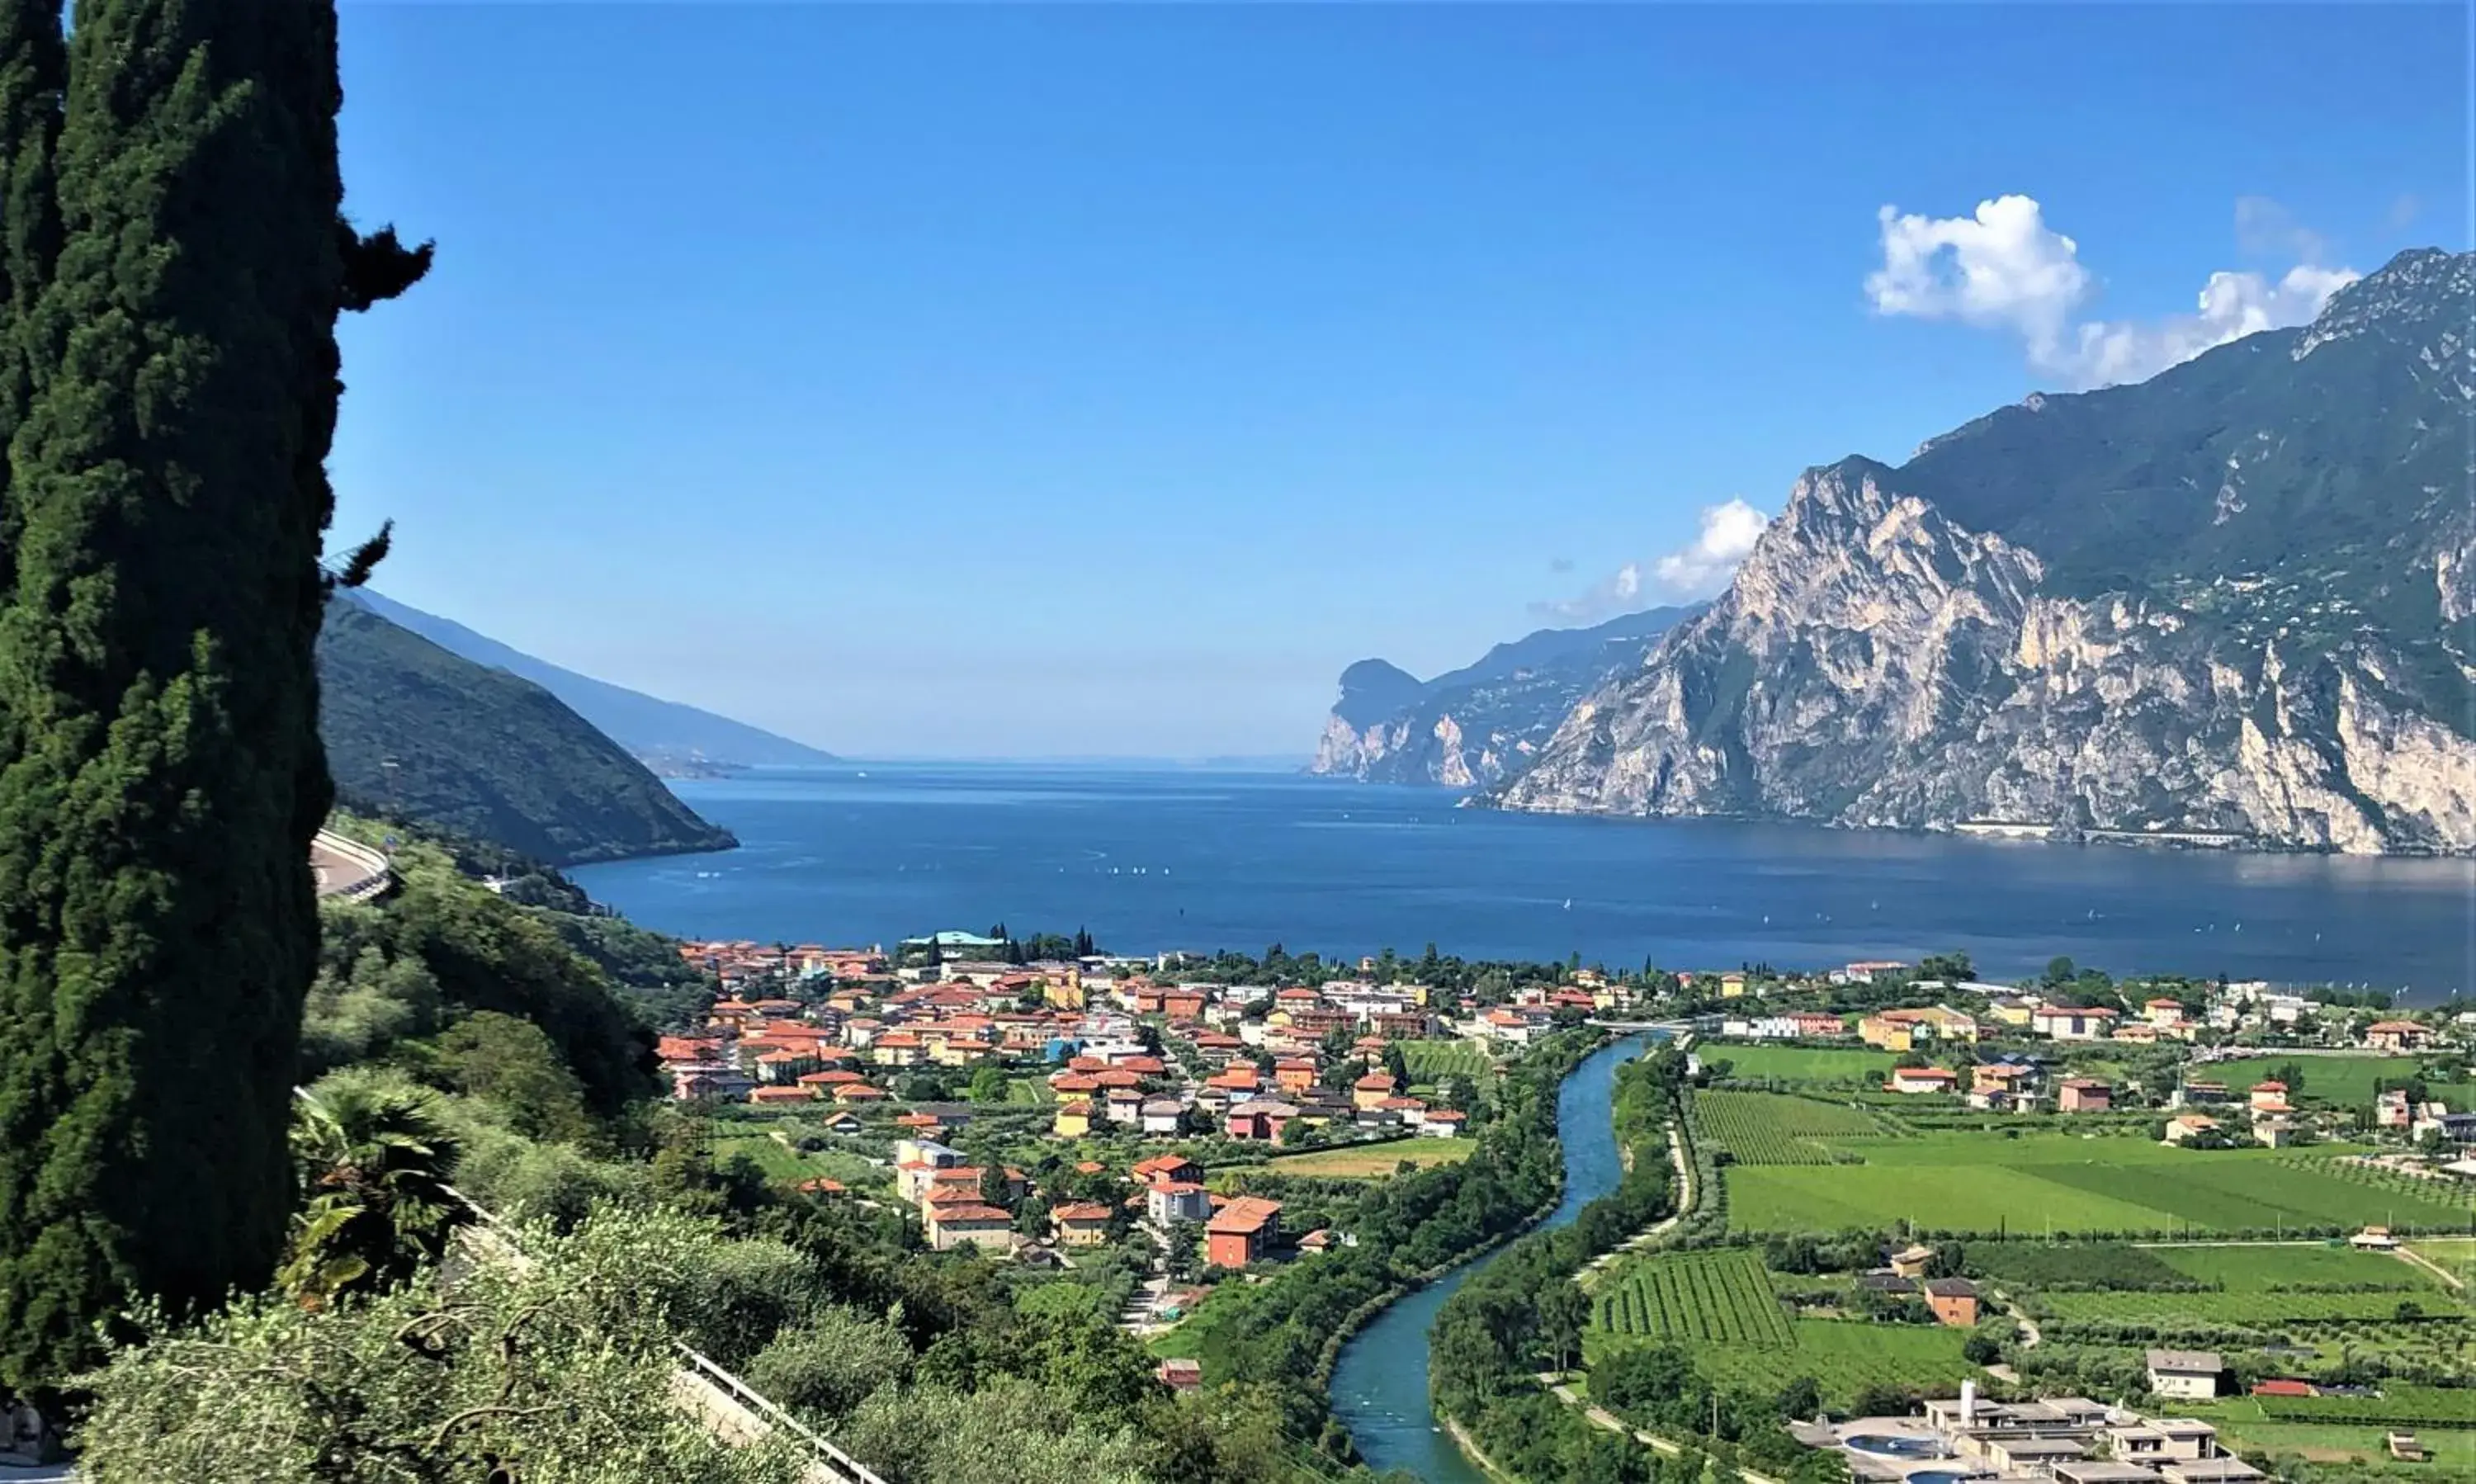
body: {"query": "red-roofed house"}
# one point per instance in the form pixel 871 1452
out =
pixel 1923 1079
pixel 1242 1231
pixel 2396 1035
pixel 1163 1168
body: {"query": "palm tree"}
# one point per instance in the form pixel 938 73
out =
pixel 373 1161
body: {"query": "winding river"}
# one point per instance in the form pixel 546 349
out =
pixel 1379 1387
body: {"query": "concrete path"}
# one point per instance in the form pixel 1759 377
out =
pixel 1651 1235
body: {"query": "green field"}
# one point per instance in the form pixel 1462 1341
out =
pixel 2358 1447
pixel 1798 1063
pixel 2345 1081
pixel 1029 1092
pixel 2256 1310
pixel 1723 1297
pixel 2270 1270
pixel 1773 1129
pixel 781 1162
pixel 2058 1184
pixel 1844 1357
pixel 1432 1061
pixel 2454 1255
pixel 1374 1161
pixel 1719 1307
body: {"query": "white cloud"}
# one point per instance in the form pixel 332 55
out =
pixel 2231 306
pixel 1704 565
pixel 1699 569
pixel 2004 268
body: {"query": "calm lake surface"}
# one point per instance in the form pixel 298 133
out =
pixel 1151 860
pixel 1379 1387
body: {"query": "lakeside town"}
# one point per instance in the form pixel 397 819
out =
pixel 1064 1110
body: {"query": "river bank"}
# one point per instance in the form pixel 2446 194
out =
pixel 1379 1384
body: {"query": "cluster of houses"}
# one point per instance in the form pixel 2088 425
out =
pixel 958 1206
pixel 808 1025
pixel 1953 1300
pixel 2028 1012
pixel 2009 1083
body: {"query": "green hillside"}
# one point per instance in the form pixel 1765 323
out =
pixel 414 731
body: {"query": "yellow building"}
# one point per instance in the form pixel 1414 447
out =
pixel 1074 1119
pixel 1889 1035
pixel 1732 986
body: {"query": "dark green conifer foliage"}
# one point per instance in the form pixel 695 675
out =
pixel 160 768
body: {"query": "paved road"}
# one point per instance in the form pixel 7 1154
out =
pixel 344 869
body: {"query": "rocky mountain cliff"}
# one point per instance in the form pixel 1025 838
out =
pixel 1470 726
pixel 2232 600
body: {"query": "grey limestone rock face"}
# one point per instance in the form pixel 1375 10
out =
pixel 2232 600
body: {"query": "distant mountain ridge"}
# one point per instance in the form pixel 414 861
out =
pixel 1470 726
pixel 672 735
pixel 415 731
pixel 2231 602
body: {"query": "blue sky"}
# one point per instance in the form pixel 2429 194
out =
pixel 1033 381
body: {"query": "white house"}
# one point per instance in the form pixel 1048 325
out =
pixel 2185 1374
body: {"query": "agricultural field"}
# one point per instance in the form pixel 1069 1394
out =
pixel 2251 1311
pixel 2454 1255
pixel 1029 1092
pixel 781 1162
pixel 1432 1061
pixel 2357 1447
pixel 2278 1268
pixel 1372 1161
pixel 1774 1128
pixel 1722 1296
pixel 2348 1081
pixel 1799 1063
pixel 2074 1266
pixel 1844 1357
pixel 2058 1184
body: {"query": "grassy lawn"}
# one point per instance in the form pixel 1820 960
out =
pixel 2346 1081
pixel 1029 1092
pixel 2454 1255
pixel 2241 1425
pixel 1376 1160
pixel 1957 1181
pixel 781 1162
pixel 1798 1063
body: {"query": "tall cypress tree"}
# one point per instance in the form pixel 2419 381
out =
pixel 162 775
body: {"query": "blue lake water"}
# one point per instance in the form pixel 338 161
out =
pixel 1151 860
